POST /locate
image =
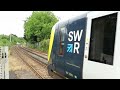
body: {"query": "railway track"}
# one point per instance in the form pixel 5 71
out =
pixel 45 61
pixel 35 59
pixel 33 63
pixel 39 53
pixel 39 58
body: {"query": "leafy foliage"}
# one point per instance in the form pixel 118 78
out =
pixel 5 40
pixel 38 26
pixel 44 45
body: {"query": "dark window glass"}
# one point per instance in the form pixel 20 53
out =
pixel 62 38
pixel 102 39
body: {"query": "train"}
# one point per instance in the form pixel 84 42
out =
pixel 86 46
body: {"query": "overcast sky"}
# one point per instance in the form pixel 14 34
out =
pixel 11 22
pixel 68 14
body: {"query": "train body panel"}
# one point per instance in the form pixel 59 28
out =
pixel 87 46
pixel 101 60
pixel 74 49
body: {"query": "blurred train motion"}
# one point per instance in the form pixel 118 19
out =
pixel 86 46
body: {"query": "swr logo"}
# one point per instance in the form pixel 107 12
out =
pixel 76 36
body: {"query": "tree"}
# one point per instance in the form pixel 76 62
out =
pixel 38 26
pixel 5 40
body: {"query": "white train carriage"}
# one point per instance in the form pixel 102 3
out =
pixel 102 45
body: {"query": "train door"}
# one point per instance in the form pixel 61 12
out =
pixel 99 56
pixel 60 52
pixel 75 47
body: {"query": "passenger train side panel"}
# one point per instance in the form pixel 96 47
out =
pixel 68 48
pixel 100 60
pixel 74 49
pixel 60 43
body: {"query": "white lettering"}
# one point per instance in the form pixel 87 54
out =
pixel 78 35
pixel 70 38
pixel 76 47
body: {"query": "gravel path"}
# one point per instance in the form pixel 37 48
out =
pixel 18 69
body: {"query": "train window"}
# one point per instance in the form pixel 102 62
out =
pixel 62 37
pixel 102 39
pixel 62 33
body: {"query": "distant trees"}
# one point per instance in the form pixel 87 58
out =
pixel 38 26
pixel 5 40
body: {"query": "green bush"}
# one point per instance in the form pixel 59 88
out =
pixel 31 45
pixel 44 45
pixel 5 40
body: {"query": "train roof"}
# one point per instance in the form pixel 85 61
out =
pixel 73 18
pixel 81 16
